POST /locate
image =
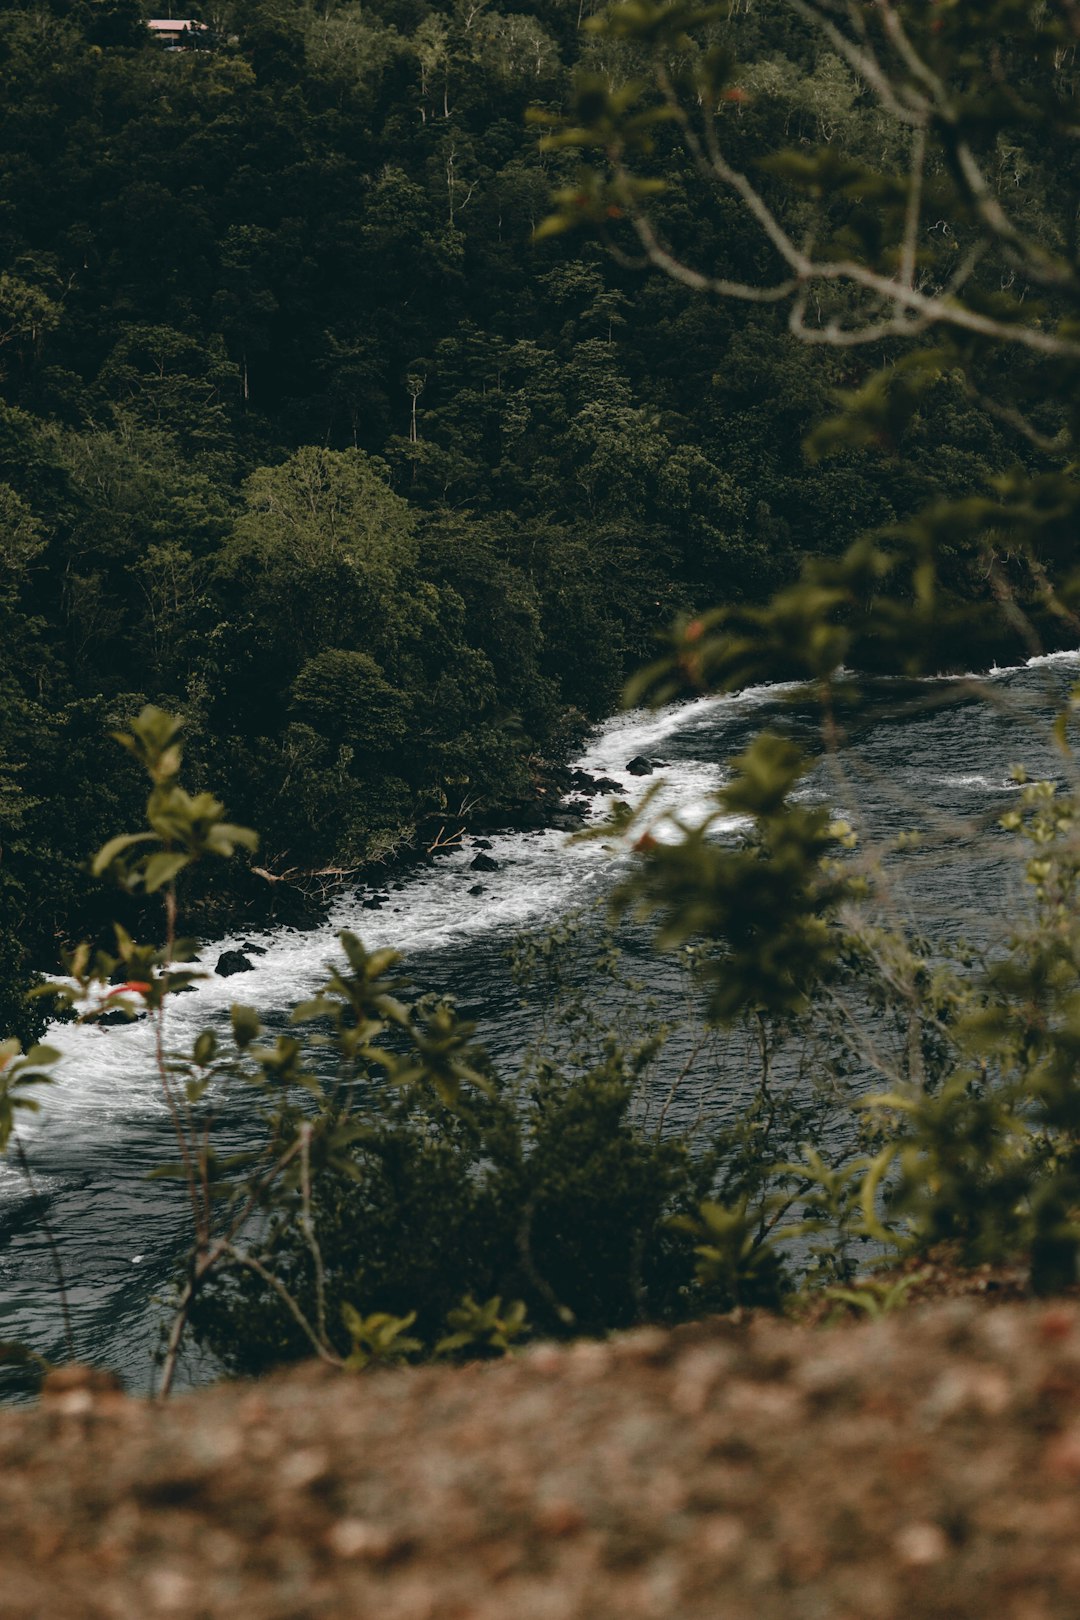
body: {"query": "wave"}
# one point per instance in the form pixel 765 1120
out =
pixel 975 779
pixel 1069 656
pixel 107 1075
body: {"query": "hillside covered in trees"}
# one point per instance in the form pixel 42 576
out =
pixel 303 435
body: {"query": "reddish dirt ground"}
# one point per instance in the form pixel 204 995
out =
pixel 927 1464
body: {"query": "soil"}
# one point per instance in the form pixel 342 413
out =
pixel 923 1464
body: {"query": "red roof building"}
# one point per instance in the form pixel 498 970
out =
pixel 175 31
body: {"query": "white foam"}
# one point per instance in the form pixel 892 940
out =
pixel 1066 657
pixel 1000 672
pixel 644 731
pixel 976 779
pixel 108 1075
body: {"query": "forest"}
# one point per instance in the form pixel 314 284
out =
pixel 387 393
pixel 305 436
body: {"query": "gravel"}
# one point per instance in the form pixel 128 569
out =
pixel 927 1464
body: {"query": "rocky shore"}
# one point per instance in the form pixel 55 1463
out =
pixel 255 898
pixel 924 1465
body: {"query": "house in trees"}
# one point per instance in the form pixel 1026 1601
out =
pixel 175 33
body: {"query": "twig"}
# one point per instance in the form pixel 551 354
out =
pixel 249 1263
pixel 308 1228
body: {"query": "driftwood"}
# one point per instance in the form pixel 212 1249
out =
pixel 440 841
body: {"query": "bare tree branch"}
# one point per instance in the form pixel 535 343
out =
pixel 864 61
pixel 914 210
pixel 908 309
pixel 935 100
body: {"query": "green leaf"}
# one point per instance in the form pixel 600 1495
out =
pixel 205 1049
pixel 43 1055
pixel 1061 732
pixel 868 1193
pixel 318 1007
pixel 161 869
pixel 116 846
pixel 224 838
pixel 554 225
pixel 167 1172
pixel 245 1024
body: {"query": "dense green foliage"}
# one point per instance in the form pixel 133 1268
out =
pixel 955 228
pixel 422 1188
pixel 301 434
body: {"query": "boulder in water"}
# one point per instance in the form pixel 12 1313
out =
pixel 477 888
pixel 252 950
pixel 640 766
pixel 230 962
pixel 590 786
pixel 483 863
pixel 306 922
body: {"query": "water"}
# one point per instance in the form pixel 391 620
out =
pixel 938 762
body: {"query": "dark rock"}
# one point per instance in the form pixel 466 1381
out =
pixel 483 863
pixel 305 922
pixel 481 843
pixel 230 962
pixel 570 817
pixel 397 885
pixel 477 888
pixel 109 1019
pixel 253 950
pixel 640 766
pixel 374 903
pixel 582 782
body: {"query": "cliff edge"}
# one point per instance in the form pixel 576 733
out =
pixel 927 1464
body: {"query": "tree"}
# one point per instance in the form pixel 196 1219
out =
pixel 320 550
pixel 937 240
pixel 116 23
pixel 877 255
pixel 963 88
